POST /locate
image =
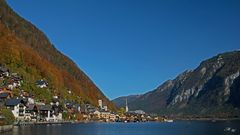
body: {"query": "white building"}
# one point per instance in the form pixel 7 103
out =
pixel 17 107
pixel 105 108
pixel 126 106
pixel 100 103
pixel 102 114
pixel 41 83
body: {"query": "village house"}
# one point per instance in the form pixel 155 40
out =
pixel 105 108
pixel 136 116
pixel 17 106
pixel 57 109
pixel 100 103
pixel 90 108
pixel 139 112
pixel 24 110
pixel 57 113
pixel 5 90
pixel 45 112
pixel 4 96
pixel 102 106
pixel 15 81
pixel 4 72
pixel 41 83
pixel 113 117
pixel 30 98
pixel 31 112
pixel 105 115
pixel 50 113
pixel 72 107
pixel 55 101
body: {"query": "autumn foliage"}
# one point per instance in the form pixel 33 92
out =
pixel 26 50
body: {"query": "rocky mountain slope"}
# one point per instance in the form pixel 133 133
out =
pixel 212 89
pixel 26 50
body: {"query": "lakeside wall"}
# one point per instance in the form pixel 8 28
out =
pixel 6 128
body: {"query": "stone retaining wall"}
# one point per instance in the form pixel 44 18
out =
pixel 5 128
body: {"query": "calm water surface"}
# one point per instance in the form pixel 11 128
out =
pixel 175 128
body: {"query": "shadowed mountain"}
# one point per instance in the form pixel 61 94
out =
pixel 212 89
pixel 121 101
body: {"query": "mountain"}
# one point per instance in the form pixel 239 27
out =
pixel 212 89
pixel 121 101
pixel 26 50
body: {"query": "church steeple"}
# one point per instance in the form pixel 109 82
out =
pixel 126 106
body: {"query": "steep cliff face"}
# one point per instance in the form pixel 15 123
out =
pixel 211 89
pixel 25 49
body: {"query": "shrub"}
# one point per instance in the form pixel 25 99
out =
pixel 8 116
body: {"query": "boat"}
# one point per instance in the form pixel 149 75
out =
pixel 229 129
pixel 168 120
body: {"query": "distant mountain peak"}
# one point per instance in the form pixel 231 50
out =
pixel 209 90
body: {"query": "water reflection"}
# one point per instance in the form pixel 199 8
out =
pixel 175 128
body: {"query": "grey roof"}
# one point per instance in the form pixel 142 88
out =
pixel 4 95
pixel 57 109
pixel 30 107
pixel 137 112
pixel 55 100
pixel 41 82
pixel 13 102
pixel 3 69
pixel 45 108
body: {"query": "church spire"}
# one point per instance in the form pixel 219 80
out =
pixel 126 106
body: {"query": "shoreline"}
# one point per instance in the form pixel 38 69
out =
pixel 6 128
pixel 41 123
pixel 78 122
pixel 207 119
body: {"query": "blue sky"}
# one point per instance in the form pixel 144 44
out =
pixel 132 46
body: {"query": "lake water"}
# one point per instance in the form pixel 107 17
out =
pixel 175 128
